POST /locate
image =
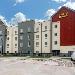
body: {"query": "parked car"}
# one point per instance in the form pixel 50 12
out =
pixel 73 57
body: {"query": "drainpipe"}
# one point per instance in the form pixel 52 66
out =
pixel 41 39
pixel 51 36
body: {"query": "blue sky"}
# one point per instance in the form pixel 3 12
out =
pixel 32 9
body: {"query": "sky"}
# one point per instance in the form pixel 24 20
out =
pixel 19 10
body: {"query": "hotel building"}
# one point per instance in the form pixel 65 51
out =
pixel 42 38
pixel 12 40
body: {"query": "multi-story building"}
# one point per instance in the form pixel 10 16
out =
pixel 42 38
pixel 26 37
pixel 12 40
pixel 65 31
pixel 56 38
pixel 2 37
pixel 37 38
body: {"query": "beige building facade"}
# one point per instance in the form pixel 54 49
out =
pixel 12 39
pixel 42 38
pixel 57 49
pixel 56 38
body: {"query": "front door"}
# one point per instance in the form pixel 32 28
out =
pixel 56 52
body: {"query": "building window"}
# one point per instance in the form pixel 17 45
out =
pixel 55 42
pixel 45 43
pixel 37 52
pixel 15 51
pixel 55 26
pixel 21 44
pixel 45 27
pixel 7 51
pixel 7 32
pixel 21 37
pixel 7 38
pixel 21 30
pixel 29 44
pixel 55 34
pixel 7 44
pixel 37 36
pixel 29 29
pixel 28 36
pixel 29 52
pixel 15 32
pixel 37 29
pixel 37 44
pixel 45 35
pixel 15 44
pixel 0 32
pixel 15 38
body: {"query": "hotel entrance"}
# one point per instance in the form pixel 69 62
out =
pixel 56 52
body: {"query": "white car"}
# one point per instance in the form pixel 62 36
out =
pixel 73 56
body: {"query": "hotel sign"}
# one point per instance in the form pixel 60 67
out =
pixel 64 14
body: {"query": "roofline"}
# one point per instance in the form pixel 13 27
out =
pixel 61 8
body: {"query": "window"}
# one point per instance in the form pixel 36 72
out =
pixel 7 32
pixel 15 44
pixel 29 52
pixel 7 44
pixel 29 29
pixel 55 26
pixel 55 34
pixel 15 38
pixel 45 43
pixel 45 35
pixel 15 51
pixel 21 44
pixel 7 38
pixel 45 27
pixel 29 44
pixel 0 32
pixel 15 32
pixel 21 30
pixel 37 36
pixel 7 51
pixel 37 44
pixel 37 52
pixel 21 37
pixel 55 42
pixel 37 29
pixel 28 36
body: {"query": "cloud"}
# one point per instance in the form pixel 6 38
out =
pixel 50 12
pixel 39 20
pixel 59 1
pixel 70 5
pixel 18 17
pixel 2 18
pixel 19 1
